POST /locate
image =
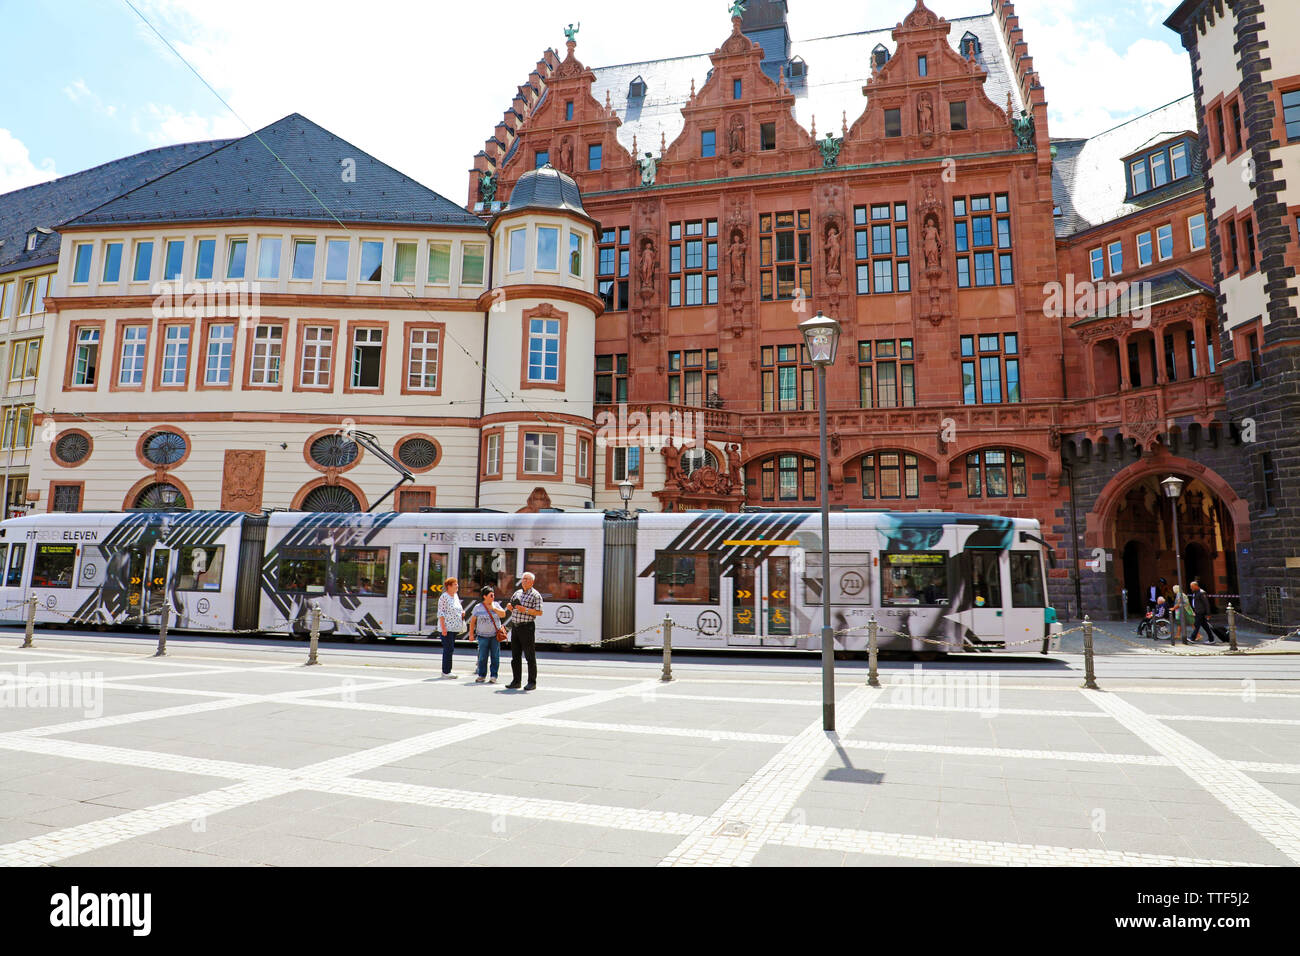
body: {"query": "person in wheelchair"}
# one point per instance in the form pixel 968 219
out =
pixel 1155 624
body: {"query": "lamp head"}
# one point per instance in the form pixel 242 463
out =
pixel 1173 486
pixel 821 335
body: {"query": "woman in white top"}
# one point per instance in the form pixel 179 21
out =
pixel 451 622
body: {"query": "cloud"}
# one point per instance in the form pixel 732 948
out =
pixel 81 94
pixel 16 167
pixel 164 125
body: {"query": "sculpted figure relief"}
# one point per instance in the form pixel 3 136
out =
pixel 925 114
pixel 832 249
pixel 931 245
pixel 736 256
pixel 566 155
pixel 736 135
pixel 647 262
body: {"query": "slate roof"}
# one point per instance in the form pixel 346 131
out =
pixel 1165 287
pixel 248 179
pixel 838 68
pixel 546 188
pixel 46 205
pixel 1089 179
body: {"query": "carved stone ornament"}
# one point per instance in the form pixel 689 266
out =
pixel 241 479
pixel 925 118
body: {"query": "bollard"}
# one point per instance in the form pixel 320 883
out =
pixel 1123 602
pixel 1089 675
pixel 31 621
pixel 1232 627
pixel 314 640
pixel 668 649
pixel 873 678
pixel 162 631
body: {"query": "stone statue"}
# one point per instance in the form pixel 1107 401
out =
pixel 572 32
pixel 832 250
pixel 487 186
pixel 649 167
pixel 925 115
pixel 736 135
pixel 830 147
pixel 736 256
pixel 566 155
pixel 1023 127
pixel 647 262
pixel 733 462
pixel 930 244
pixel 672 461
pixel 737 8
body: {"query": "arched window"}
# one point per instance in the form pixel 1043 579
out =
pixel 788 478
pixel 693 459
pixel 333 451
pixel 160 496
pixel 994 472
pixel 331 498
pixel 879 56
pixel 890 474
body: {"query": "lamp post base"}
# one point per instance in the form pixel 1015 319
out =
pixel 828 679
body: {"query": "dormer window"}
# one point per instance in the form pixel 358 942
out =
pixel 636 89
pixel 879 56
pixel 31 240
pixel 798 68
pixel 970 45
pixel 1153 168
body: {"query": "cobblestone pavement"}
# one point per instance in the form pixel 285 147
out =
pixel 236 754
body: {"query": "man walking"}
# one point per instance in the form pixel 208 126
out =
pixel 1201 612
pixel 525 607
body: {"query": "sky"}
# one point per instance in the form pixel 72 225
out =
pixel 420 85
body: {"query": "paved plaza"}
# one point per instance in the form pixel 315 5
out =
pixel 225 753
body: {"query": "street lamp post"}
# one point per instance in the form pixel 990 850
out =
pixel 822 335
pixel 625 488
pixel 1173 487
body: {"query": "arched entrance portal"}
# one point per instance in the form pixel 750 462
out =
pixel 1137 569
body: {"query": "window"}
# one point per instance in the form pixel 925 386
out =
pixel 614 257
pixel 367 355
pixel 625 464
pixel 575 254
pixel 1230 247
pixel 1097 261
pixel 205 258
pixel 317 356
pixel 886 374
pixel 363 571
pixel 788 478
pixel 611 378
pixel 18 427
pixel 1115 257
pixel 143 261
pixel 977 220
pixel 268 343
pixel 693 262
pixel 17 555
pixel 1159 167
pixel 1220 139
pixel 303 570
pixel 1144 249
pixel 957 115
pixel 52 566
pixel 64 498
pixel 890 474
pixel 336 260
pixel 1256 359
pixel 1248 238
pixel 492 454
pixel 737 87
pixel 1291 114
pixel 692 377
pixel 548 248
pixel 112 261
pixel 439 272
pixel 1159 170
pixel 914 578
pixel 784 254
pixel 986 474
pixel 541 452
pixel 268 257
pixel 135 340
pixel 922 69
pixel 404 262
pixel 372 260
pixel 544 350
pixel 558 573
pixel 422 359
pixel 787 378
pixel 221 351
pixel 86 362
pixel 471 263
pixel 636 88
pixel 990 370
pixel 882 248
pixel 237 258
pixel 686 577
pixel 568 110
pixel 487 567
pixel 1138 176
pixel 33 297
pixel 518 243
pixel 985 577
pixel 81 263
pixel 1266 472
pixel 1196 231
pixel 1165 241
pixel 176 356
pixel 541 157
pixel 767 136
pixel 708 143
pixel 1026 579
pixel 893 123
pixel 199 568
pixel 173 258
pixel 584 458
pixel 1235 127
pixel 304 259
pixel 593 156
pixel 879 56
pixel 6 299
pixel 1178 160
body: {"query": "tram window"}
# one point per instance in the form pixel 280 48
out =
pixel 1026 579
pixel 690 578
pixel 914 578
pixel 364 571
pixel 17 553
pixel 481 567
pixel 558 573
pixel 200 568
pixel 986 579
pixel 53 565
pixel 4 553
pixel 303 570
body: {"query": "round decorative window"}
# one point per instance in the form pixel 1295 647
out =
pixel 164 448
pixel 330 498
pixel 333 451
pixel 72 448
pixel 696 458
pixel 160 495
pixel 417 453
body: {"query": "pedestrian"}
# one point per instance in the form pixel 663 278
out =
pixel 487 631
pixel 1200 604
pixel 1182 613
pixel 451 622
pixel 525 607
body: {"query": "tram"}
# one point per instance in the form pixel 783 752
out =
pixel 728 581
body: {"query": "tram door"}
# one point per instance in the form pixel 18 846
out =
pixel 156 580
pixel 983 575
pixel 760 603
pixel 420 573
